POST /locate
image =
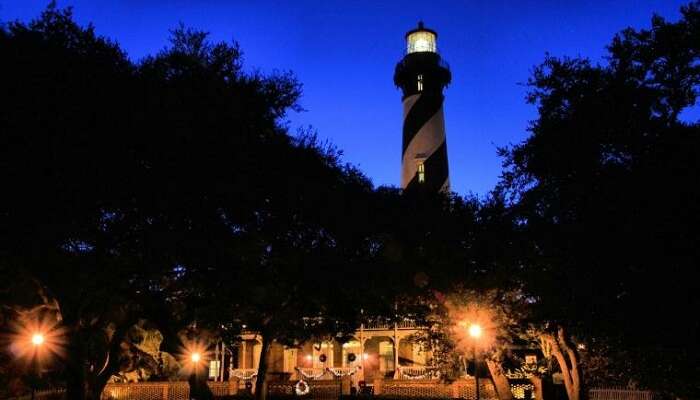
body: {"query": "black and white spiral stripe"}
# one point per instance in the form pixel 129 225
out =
pixel 424 141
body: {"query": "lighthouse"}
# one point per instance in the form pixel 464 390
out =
pixel 422 76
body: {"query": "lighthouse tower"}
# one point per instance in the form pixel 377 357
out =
pixel 422 75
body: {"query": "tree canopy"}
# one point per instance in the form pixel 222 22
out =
pixel 605 186
pixel 130 183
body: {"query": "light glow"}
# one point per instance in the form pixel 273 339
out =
pixel 37 339
pixel 475 331
pixel 421 45
pixel 475 324
pixel 193 354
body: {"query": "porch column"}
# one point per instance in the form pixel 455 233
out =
pixel 362 352
pixel 396 351
pixel 242 355
pixel 223 361
pixel 216 357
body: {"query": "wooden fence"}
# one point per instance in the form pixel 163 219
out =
pixel 620 394
pixel 162 390
pixel 461 389
pixel 327 390
pixel 141 391
pixel 318 389
pixel 48 394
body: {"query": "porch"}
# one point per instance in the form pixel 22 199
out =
pixel 378 349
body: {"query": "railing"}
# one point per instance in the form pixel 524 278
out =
pixel 620 394
pixel 407 324
pixel 382 324
pixel 378 325
pixel 440 61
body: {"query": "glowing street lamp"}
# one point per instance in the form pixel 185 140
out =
pixel 195 358
pixel 475 332
pixel 37 341
pixel 194 354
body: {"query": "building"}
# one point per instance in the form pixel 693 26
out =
pixel 378 349
pixel 422 76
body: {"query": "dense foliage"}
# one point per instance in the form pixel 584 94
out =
pixel 135 190
pixel 606 187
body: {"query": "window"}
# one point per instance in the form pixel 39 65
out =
pixel 420 83
pixel 386 356
pixel 421 172
pixel 214 369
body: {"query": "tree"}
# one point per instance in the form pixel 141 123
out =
pixel 66 234
pixel 498 314
pixel 123 176
pixel 604 186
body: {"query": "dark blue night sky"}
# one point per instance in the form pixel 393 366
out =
pixel 345 52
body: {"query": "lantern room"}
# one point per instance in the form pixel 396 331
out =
pixel 421 40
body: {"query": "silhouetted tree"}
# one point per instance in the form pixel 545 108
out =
pixel 605 185
pixel 123 179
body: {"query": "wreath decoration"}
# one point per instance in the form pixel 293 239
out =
pixel 302 388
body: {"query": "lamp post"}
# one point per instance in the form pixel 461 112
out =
pixel 475 333
pixel 37 342
pixel 195 357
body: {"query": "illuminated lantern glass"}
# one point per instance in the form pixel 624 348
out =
pixel 421 41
